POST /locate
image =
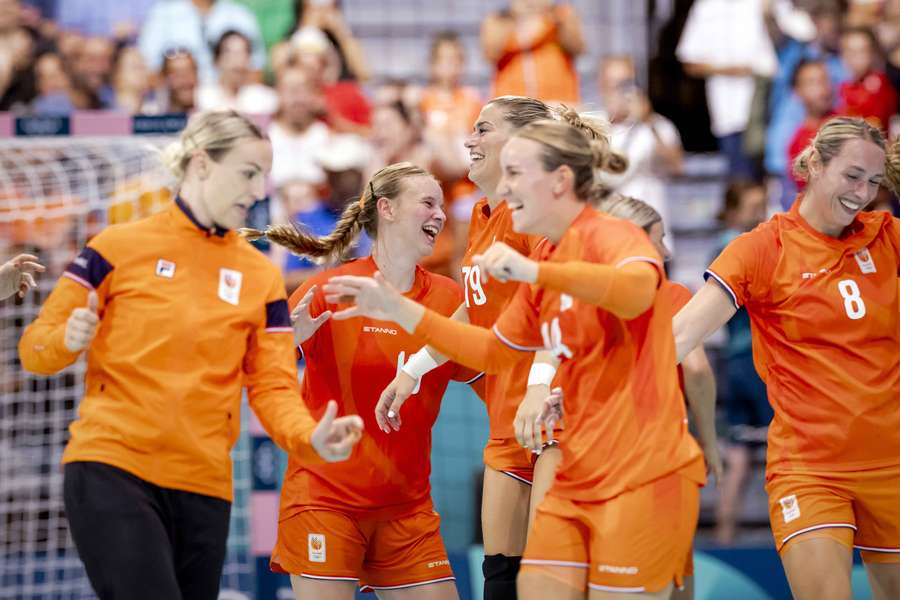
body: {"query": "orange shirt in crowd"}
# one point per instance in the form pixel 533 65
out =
pixel 540 69
pixel 187 318
pixel 485 300
pixel 826 337
pixel 352 361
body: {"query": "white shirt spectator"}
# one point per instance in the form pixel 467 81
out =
pixel 294 156
pixel 174 24
pixel 252 99
pixel 728 33
pixel 644 179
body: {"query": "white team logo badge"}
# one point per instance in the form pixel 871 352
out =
pixel 230 286
pixel 165 268
pixel 316 547
pixel 864 260
pixel 790 508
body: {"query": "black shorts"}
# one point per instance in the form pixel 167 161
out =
pixel 141 541
pixel 747 403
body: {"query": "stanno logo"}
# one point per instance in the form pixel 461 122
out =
pixel 371 329
pixel 617 569
pixel 438 563
pixel 812 275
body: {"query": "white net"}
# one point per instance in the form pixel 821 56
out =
pixel 54 194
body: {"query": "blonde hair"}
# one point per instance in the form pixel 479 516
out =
pixel 631 209
pixel 830 139
pixel 578 142
pixel 359 215
pixel 519 111
pixel 215 132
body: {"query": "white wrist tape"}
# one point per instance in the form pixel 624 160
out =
pixel 541 374
pixel 418 364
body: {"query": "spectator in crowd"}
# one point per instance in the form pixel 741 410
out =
pixel 346 108
pixel 179 82
pixel 54 86
pixel 92 71
pixel 296 131
pixel 131 83
pixel 236 88
pixel 785 108
pixel 18 47
pixel 197 25
pixel 867 93
pixel 813 87
pixel 725 42
pixel 304 206
pixel 887 29
pixel 449 109
pixel 746 403
pixel 326 17
pixel 345 159
pixel 649 141
pixel 533 46
pixel 115 19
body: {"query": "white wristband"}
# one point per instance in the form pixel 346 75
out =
pixel 541 374
pixel 418 364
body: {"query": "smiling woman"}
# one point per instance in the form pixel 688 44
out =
pixel 177 315
pixel 371 519
pixel 820 286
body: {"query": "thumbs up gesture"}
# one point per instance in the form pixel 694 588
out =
pixel 82 325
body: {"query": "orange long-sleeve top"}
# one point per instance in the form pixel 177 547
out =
pixel 188 316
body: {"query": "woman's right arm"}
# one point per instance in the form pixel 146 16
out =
pixel 69 317
pixel 709 309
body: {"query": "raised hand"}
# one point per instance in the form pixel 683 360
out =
pixel 373 297
pixel 17 275
pixel 387 411
pixel 304 325
pixel 333 438
pixel 81 327
pixel 505 264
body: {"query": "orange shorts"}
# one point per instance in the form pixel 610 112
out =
pixel 327 544
pixel 508 457
pixel 859 509
pixel 636 542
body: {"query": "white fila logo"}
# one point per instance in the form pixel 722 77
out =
pixel 371 329
pixel 165 268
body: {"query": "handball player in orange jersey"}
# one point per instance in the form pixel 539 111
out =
pixel 177 314
pixel 515 478
pixel 371 520
pixel 820 286
pixel 630 469
pixel 695 374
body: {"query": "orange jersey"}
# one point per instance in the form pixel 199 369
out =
pixel 187 318
pixel 352 361
pixel 541 69
pixel 826 337
pixel 625 417
pixel 485 300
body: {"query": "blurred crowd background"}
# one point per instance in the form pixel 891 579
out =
pixel 707 98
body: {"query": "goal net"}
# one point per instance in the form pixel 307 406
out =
pixel 55 193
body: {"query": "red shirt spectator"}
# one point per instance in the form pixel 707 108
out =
pixel 868 94
pixel 813 87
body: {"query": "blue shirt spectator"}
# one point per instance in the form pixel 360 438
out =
pixel 104 18
pixel 174 24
